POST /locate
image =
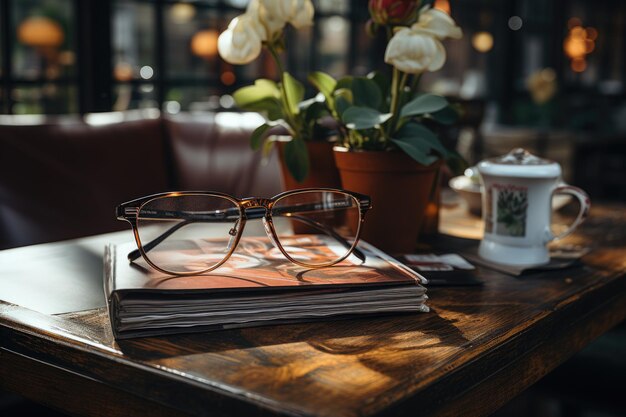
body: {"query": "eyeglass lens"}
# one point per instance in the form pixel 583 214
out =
pixel 192 232
pixel 316 227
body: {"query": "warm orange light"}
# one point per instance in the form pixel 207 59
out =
pixel 578 32
pixel 443 5
pixel 123 72
pixel 542 85
pixel 592 33
pixel 40 32
pixel 204 43
pixel 482 41
pixel 579 65
pixel 575 47
pixel 228 78
pixel 579 43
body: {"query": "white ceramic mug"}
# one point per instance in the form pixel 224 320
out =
pixel 517 207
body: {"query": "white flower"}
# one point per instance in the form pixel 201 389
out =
pixel 302 14
pixel 414 52
pixel 270 14
pixel 275 14
pixel 263 20
pixel 438 24
pixel 280 10
pixel 418 48
pixel 240 43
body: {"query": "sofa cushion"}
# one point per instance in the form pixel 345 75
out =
pixel 211 152
pixel 63 179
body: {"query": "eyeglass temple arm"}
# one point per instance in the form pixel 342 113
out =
pixel 356 251
pixel 191 218
pixel 136 254
pixel 254 213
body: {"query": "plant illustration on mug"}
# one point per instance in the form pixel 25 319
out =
pixel 512 205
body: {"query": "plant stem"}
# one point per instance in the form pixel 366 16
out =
pixel 397 87
pixel 289 116
pixel 389 31
pixel 414 82
pixel 279 64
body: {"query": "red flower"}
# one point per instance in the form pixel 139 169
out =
pixel 395 12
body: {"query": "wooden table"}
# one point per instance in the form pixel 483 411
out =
pixel 478 348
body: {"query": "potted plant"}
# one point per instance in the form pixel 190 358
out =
pixel 306 154
pixel 388 150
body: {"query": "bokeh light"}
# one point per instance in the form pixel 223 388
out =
pixel 482 41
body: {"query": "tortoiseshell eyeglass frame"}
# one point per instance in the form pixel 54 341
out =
pixel 248 208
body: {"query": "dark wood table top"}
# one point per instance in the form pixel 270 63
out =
pixel 476 349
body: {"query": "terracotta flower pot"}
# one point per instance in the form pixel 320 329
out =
pixel 322 174
pixel 400 189
pixel 322 169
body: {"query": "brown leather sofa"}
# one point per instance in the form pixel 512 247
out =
pixel 62 178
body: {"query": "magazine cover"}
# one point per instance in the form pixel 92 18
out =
pixel 256 286
pixel 257 263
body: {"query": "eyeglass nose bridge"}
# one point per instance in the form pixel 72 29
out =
pixel 252 203
pixel 256 202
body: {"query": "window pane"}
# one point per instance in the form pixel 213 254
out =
pixel 235 3
pixel 333 45
pixel 44 46
pixel 367 51
pixel 198 98
pixel 1 53
pixel 332 6
pixel 191 42
pixel 300 49
pixel 128 96
pixel 133 41
pixel 44 99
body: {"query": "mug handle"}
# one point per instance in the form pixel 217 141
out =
pixel 585 205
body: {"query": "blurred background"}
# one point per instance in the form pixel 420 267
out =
pixel 547 75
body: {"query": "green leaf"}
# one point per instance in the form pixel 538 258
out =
pixel 341 104
pixel 446 116
pixel 297 159
pixel 345 93
pixel 257 135
pixel 415 150
pixel 382 81
pixel 343 100
pixel 270 106
pixel 261 90
pixel 366 93
pixel 363 117
pixel 294 90
pixel 425 103
pixel 313 111
pixel 417 132
pixel 345 82
pixel 325 84
pixel 268 145
pixel 456 163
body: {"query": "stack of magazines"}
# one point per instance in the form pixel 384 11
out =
pixel 256 286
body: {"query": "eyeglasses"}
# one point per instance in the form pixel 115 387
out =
pixel 186 233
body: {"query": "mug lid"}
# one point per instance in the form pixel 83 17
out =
pixel 520 163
